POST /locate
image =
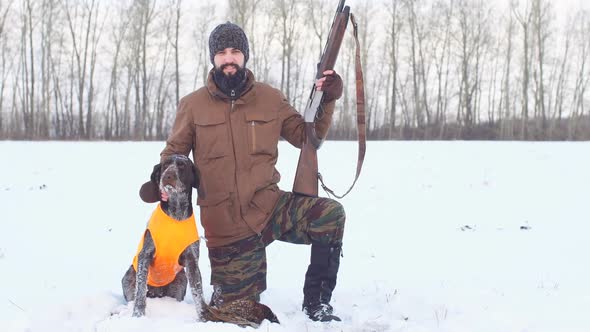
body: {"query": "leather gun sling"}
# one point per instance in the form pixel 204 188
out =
pixel 360 115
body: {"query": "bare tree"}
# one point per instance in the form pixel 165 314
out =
pixel 442 26
pixel 48 8
pixel 242 12
pixel 416 39
pixel 343 124
pixel 4 58
pixel 62 77
pixel 318 16
pixel 201 39
pixel 472 38
pixel 267 33
pixel 115 117
pixel 28 69
pixel 582 76
pixel 82 18
pixel 365 11
pixel 506 130
pixel 563 72
pixel 143 16
pixel 289 25
pixel 541 24
pixel 525 20
pixel 97 27
pixel 174 40
pixel 161 94
pixel 392 45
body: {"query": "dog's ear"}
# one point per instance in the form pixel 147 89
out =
pixel 156 174
pixel 150 191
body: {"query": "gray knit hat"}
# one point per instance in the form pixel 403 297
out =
pixel 228 35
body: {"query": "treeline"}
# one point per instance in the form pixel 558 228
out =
pixel 434 69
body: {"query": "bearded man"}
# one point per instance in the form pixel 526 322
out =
pixel 232 126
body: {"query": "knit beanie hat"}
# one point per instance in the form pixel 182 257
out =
pixel 228 35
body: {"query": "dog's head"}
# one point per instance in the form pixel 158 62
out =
pixel 174 175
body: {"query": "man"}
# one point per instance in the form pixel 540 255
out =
pixel 233 125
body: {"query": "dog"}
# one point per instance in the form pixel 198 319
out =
pixel 172 229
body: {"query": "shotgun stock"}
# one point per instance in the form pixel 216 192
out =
pixel 306 176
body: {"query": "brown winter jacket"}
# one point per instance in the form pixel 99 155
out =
pixel 234 147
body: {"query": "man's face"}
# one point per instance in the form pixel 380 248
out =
pixel 229 60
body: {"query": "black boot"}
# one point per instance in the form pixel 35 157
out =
pixel 320 281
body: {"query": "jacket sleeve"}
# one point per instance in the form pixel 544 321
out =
pixel 293 128
pixel 182 136
pixel 323 119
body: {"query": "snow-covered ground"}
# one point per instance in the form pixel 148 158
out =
pixel 440 236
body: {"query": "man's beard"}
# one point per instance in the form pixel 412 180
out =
pixel 231 85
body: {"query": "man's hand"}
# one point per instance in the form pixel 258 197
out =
pixel 331 84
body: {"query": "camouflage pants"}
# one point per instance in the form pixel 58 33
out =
pixel 238 270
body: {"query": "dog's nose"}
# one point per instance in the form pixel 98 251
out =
pixel 168 178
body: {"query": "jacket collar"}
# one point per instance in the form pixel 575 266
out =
pixel 246 96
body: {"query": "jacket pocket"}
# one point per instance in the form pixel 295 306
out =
pixel 216 214
pixel 261 207
pixel 263 132
pixel 212 140
pixel 265 199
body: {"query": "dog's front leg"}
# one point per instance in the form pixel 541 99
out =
pixel 191 261
pixel 144 259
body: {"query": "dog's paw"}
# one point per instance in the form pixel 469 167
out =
pixel 138 312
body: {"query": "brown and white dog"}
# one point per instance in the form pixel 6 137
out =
pixel 177 236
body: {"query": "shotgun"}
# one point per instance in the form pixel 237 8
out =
pixel 306 176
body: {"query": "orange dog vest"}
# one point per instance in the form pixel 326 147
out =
pixel 171 238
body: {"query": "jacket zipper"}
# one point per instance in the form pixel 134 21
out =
pixel 235 157
pixel 231 109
